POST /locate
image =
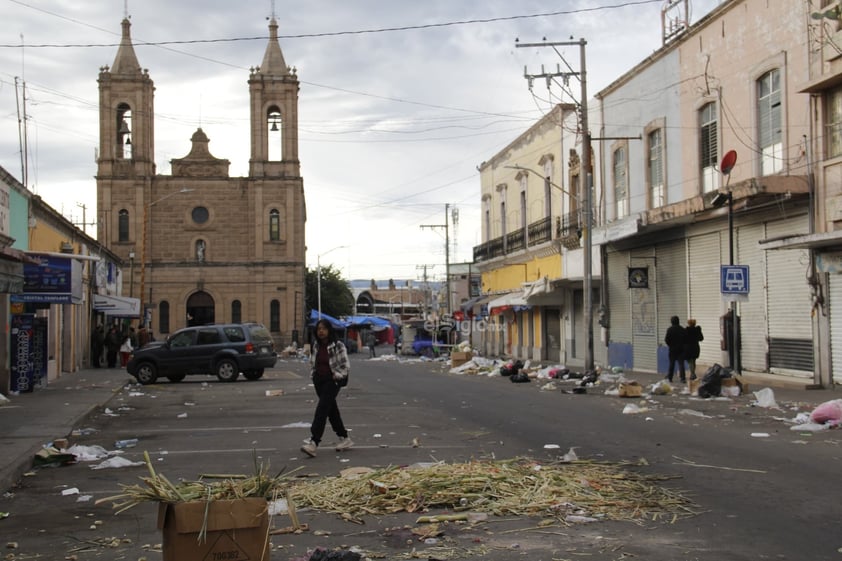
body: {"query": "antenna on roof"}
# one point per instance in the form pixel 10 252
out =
pixel 273 9
pixel 126 9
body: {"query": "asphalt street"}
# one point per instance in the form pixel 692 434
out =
pixel 761 490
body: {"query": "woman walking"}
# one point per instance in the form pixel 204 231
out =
pixel 329 370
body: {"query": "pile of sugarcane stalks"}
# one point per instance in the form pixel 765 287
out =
pixel 520 487
pixel 210 487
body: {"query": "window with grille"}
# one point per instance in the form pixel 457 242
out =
pixel 657 196
pixel 769 122
pixel 621 183
pixel 236 312
pixel 709 146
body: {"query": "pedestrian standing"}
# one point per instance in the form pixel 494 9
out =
pixel 694 336
pixel 329 370
pixel 97 344
pixel 126 349
pixel 112 346
pixel 676 339
pixel 371 341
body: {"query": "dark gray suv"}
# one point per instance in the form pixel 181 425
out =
pixel 222 349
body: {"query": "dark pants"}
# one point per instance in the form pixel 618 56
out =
pixel 676 357
pixel 111 358
pixel 96 356
pixel 327 410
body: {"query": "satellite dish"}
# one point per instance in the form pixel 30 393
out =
pixel 728 161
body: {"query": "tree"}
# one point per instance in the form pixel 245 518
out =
pixel 337 298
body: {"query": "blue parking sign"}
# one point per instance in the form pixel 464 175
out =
pixel 733 279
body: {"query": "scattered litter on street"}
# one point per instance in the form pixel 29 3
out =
pixel 116 462
pixel 765 398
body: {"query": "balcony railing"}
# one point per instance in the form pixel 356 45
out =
pixel 534 234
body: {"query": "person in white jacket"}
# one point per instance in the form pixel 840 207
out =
pixel 125 350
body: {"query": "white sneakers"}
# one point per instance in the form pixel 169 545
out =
pixel 310 449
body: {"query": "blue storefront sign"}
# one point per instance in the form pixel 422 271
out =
pixel 53 280
pixel 22 351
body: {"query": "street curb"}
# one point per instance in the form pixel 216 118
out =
pixel 11 476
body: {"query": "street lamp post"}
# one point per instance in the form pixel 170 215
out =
pixel 725 167
pixel 131 274
pixel 144 236
pixel 319 276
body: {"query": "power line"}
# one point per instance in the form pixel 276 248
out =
pixel 334 33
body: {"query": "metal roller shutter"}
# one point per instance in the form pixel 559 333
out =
pixel 754 327
pixel 835 299
pixel 672 285
pixel 790 322
pixel 619 297
pixel 706 306
pixel 643 313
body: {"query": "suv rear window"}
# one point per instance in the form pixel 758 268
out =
pixel 259 333
pixel 235 334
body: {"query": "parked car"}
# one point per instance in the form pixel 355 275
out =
pixel 222 349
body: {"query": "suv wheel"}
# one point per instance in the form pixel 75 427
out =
pixel 227 370
pixel 146 373
pixel 253 374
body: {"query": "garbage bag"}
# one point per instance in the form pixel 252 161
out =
pixel 325 555
pixel 711 385
pixel 519 378
pixel 828 412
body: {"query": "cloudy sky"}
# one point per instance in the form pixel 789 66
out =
pixel 400 101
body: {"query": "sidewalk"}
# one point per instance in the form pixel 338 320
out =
pixel 31 420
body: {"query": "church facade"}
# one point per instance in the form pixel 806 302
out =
pixel 203 247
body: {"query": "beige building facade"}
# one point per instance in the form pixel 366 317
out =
pixel 205 247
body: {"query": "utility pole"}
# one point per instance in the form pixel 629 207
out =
pixel 84 224
pixel 446 253
pixel 585 177
pixel 426 290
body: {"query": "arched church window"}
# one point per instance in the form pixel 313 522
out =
pixel 123 225
pixel 275 127
pixel 123 145
pixel 274 225
pixel 236 312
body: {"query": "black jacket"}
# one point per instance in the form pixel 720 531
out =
pixel 694 336
pixel 675 339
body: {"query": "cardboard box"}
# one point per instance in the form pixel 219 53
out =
pixel 729 382
pixel 632 389
pixel 237 529
pixel 458 358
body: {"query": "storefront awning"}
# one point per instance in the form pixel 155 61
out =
pixel 117 306
pixel 512 300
